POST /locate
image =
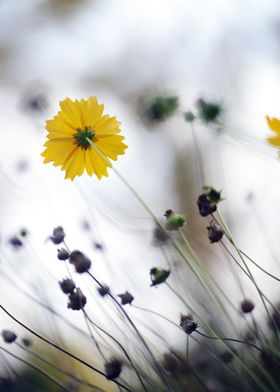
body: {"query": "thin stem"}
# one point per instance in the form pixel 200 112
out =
pixel 160 371
pixel 231 340
pixel 121 346
pixel 35 368
pixel 69 374
pixel 258 266
pixel 92 336
pixel 60 348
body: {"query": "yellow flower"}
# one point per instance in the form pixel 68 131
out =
pixel 274 125
pixel 82 138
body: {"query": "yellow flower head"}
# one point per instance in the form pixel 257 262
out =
pixel 274 125
pixel 81 138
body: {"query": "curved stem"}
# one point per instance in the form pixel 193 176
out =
pixel 121 347
pixel 61 349
pixel 79 380
pixel 160 371
pixel 231 340
pixel 36 368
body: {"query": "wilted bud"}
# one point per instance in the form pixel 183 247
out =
pixel 205 205
pixel 113 369
pixel 67 285
pixel 62 254
pixel 16 242
pixel 8 336
pixel 80 261
pixel 77 299
pixel 57 235
pixel 208 111
pixel 247 306
pixel 215 232
pixel 189 116
pixel 160 237
pixel 26 342
pixel 126 298
pixel 188 324
pixel 173 220
pixel 103 290
pixel 161 108
pixel 158 275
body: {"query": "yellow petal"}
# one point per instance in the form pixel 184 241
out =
pixel 57 151
pixel 112 146
pixel 274 140
pixel 99 163
pixel 94 111
pixel 107 125
pixel 274 124
pixel 70 111
pixel 75 165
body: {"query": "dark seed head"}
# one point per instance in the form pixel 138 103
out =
pixel 205 205
pixel 8 336
pixel 26 342
pixel 57 235
pixel 103 290
pixel 126 298
pixel 67 286
pixel 62 254
pixel 113 369
pixel 16 242
pixel 247 306
pixel 215 233
pixel 188 324
pixel 80 261
pixel 77 300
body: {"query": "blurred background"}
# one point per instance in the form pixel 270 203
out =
pixel 126 53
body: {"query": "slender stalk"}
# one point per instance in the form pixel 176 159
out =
pixel 60 348
pixel 231 340
pixel 69 374
pixel 121 346
pixel 36 368
pixel 157 366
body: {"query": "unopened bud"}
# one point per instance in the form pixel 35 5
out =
pixel 173 220
pixel 208 111
pixel 158 275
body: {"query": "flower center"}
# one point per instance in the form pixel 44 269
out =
pixel 83 137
